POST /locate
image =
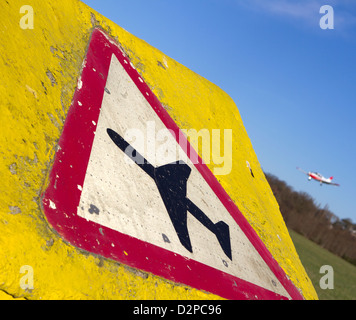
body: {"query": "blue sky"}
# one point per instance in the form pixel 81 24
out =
pixel 293 82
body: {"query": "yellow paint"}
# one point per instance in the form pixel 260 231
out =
pixel 39 68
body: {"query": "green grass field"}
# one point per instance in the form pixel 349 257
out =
pixel 313 257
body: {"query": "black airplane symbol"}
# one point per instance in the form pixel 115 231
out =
pixel 171 180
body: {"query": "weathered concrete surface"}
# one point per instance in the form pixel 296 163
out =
pixel 39 69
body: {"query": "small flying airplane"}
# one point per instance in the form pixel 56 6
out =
pixel 318 177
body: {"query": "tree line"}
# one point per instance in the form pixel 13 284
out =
pixel 318 224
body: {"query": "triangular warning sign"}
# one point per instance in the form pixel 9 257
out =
pixel 123 186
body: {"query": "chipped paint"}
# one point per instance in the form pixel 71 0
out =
pixel 52 205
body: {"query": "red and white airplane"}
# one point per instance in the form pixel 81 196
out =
pixel 318 177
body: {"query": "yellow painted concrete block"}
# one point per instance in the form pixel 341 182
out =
pixel 40 63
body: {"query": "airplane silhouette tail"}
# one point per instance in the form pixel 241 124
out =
pixel 220 229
